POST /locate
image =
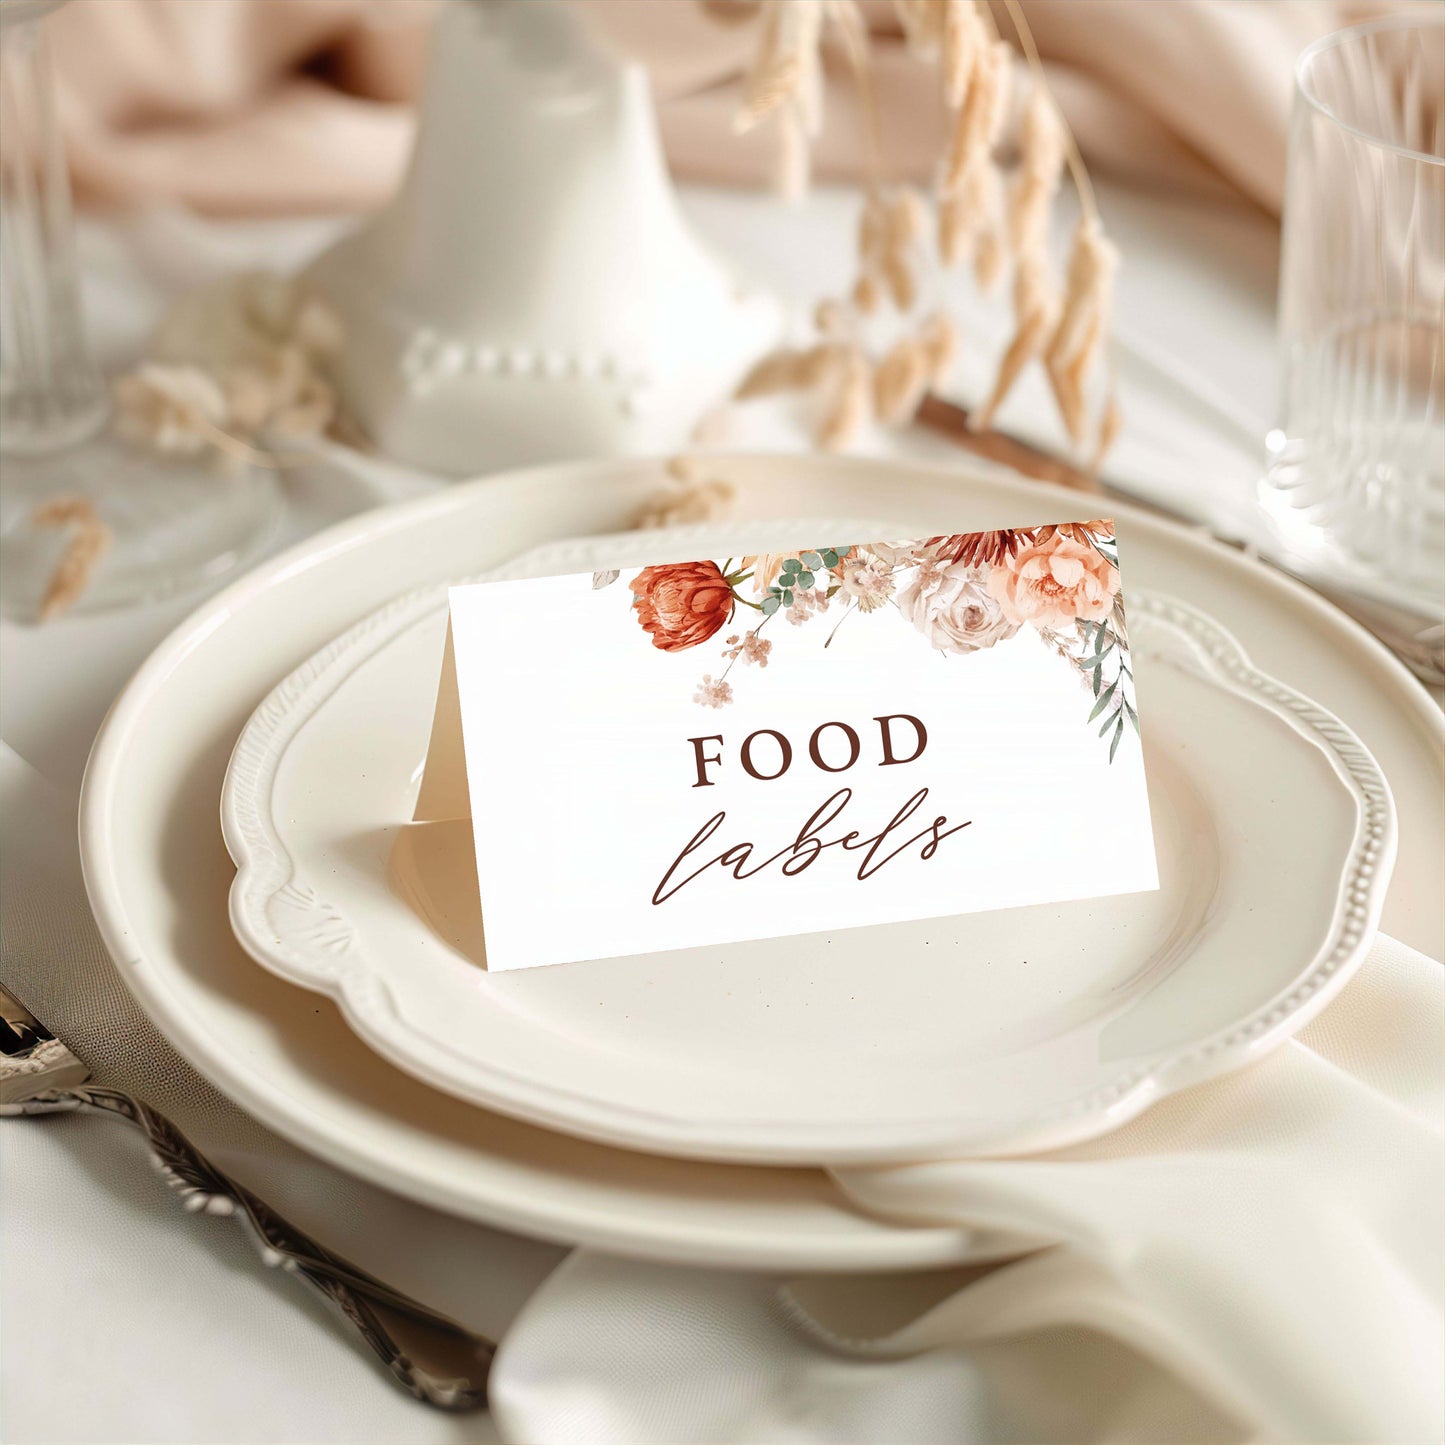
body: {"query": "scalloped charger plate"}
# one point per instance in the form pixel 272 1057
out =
pixel 1001 1032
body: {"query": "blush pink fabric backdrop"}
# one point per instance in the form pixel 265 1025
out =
pixel 255 107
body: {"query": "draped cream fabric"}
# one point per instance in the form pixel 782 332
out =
pixel 1258 1258
pixel 273 106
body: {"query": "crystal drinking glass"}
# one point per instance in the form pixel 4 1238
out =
pixel 1356 480
pixel 174 522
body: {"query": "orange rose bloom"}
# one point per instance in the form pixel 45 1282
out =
pixel 1054 581
pixel 682 604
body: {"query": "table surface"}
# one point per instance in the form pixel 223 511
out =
pixel 1198 286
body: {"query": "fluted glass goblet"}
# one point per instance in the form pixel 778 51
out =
pixel 1356 478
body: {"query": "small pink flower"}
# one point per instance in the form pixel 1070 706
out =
pixel 713 694
pixel 750 648
pixel 1054 581
pixel 805 605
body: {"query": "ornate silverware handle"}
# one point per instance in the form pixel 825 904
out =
pixel 431 1357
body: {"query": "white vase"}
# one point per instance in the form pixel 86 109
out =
pixel 532 292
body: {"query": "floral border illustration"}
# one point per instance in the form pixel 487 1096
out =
pixel 964 593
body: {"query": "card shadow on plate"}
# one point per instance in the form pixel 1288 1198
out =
pixel 432 868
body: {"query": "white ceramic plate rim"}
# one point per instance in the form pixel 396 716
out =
pixel 492 1197
pixel 303 954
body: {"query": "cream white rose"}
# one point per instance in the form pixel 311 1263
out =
pixel 953 608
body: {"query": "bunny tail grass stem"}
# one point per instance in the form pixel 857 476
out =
pixel 1077 169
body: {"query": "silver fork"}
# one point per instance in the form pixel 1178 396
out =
pixel 431 1357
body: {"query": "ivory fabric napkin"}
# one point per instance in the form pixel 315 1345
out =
pixel 1258 1258
pixel 238 108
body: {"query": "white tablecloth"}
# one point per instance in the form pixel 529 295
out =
pixel 125 1320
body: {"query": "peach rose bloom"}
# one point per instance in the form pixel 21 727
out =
pixel 682 604
pixel 1053 582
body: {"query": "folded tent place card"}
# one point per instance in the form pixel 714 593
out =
pixel 702 752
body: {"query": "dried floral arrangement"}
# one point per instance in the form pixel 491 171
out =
pixel 88 540
pixel 979 221
pixel 963 594
pixel 236 372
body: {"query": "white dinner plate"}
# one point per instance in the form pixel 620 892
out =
pixel 158 873
pixel 999 1032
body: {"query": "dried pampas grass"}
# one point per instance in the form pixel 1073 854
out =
pixel 980 117
pixel 923 23
pixel 938 337
pixel 786 81
pixel 968 214
pixel 689 497
pixel 889 229
pixel 951 32
pixel 1036 310
pixel 177 409
pixel 90 540
pixel 1088 294
pixel 910 366
pixel 784 70
pixel 1041 166
pixel 1109 426
pixel 900 381
pixel 790 370
pixel 850 388
pixel 963 41
pixel 1064 327
pixel 850 403
pixel 1083 322
pixel 232 368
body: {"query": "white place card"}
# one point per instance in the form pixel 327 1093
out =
pixel 700 752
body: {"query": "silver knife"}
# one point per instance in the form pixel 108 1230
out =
pixel 431 1357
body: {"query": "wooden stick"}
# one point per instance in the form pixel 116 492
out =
pixel 951 420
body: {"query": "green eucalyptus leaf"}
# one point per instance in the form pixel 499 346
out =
pixel 805 579
pixel 830 557
pixel 787 596
pixel 1103 702
pixel 771 604
pixel 812 561
pixel 792 565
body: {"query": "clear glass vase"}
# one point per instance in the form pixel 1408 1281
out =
pixel 174 522
pixel 1356 478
